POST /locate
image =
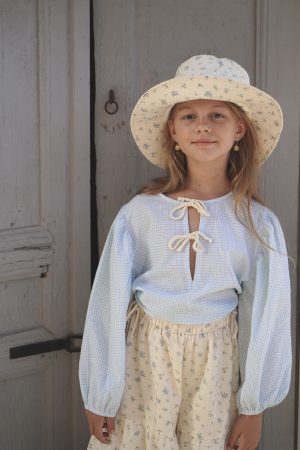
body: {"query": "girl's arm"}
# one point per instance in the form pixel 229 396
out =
pixel 264 337
pixel 102 359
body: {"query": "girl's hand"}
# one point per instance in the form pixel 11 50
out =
pixel 96 425
pixel 245 433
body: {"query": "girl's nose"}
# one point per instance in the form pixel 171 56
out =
pixel 202 127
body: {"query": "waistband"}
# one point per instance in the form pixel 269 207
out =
pixel 135 313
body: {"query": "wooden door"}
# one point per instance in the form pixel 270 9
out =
pixel 138 44
pixel 44 220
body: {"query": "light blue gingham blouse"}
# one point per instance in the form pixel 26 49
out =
pixel 146 256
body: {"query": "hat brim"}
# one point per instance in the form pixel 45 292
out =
pixel 149 116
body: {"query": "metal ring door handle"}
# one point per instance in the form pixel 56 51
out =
pixel 111 101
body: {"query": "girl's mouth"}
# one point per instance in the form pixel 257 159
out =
pixel 203 142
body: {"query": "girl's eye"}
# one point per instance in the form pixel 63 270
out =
pixel 217 115
pixel 189 116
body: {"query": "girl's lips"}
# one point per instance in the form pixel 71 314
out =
pixel 203 142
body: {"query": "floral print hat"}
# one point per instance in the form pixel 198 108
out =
pixel 204 77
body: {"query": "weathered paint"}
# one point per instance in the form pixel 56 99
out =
pixel 44 217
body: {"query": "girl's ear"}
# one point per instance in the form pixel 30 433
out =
pixel 171 127
pixel 241 130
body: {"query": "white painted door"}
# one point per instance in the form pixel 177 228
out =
pixel 140 43
pixel 44 218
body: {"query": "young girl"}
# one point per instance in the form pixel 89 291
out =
pixel 196 265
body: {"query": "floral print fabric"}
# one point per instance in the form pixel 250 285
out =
pixel 180 388
pixel 211 78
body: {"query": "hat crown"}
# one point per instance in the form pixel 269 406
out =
pixel 211 66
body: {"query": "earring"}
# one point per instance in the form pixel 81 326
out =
pixel 177 147
pixel 236 147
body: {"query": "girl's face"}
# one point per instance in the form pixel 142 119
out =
pixel 205 130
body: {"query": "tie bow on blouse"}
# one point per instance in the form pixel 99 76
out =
pixel 178 242
pixel 186 203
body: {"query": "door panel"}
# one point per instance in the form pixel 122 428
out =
pixel 44 185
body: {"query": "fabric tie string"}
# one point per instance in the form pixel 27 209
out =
pixel 194 203
pixel 134 312
pixel 233 324
pixel 134 315
pixel 179 241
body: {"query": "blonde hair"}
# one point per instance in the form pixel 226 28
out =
pixel 242 171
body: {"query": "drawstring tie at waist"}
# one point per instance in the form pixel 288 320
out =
pixel 133 308
pixel 135 311
pixel 233 323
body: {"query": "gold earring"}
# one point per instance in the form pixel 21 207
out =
pixel 236 147
pixel 177 147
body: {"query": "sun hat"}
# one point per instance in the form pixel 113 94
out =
pixel 211 78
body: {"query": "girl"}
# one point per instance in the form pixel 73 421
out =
pixel 196 265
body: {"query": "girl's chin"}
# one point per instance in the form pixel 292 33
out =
pixel 203 158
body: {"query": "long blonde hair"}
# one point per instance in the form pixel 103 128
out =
pixel 242 172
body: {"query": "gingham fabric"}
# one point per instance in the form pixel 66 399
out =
pixel 231 269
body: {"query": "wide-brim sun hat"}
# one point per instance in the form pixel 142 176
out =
pixel 211 78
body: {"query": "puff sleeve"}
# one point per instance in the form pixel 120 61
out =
pixel 102 358
pixel 264 316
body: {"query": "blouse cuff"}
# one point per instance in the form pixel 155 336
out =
pixel 251 412
pixel 99 412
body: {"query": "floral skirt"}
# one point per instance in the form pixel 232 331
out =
pixel 180 387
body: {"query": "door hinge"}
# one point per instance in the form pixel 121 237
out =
pixel 68 343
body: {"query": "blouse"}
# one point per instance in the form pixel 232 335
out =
pixel 146 257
